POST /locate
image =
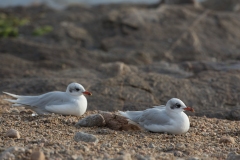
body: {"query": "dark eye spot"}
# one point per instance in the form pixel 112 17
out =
pixel 77 89
pixel 178 105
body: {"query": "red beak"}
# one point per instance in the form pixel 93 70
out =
pixel 87 93
pixel 189 109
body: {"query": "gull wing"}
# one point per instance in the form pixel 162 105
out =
pixel 154 116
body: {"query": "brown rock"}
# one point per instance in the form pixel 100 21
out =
pixel 12 133
pixel 37 155
pixel 117 122
pixel 227 139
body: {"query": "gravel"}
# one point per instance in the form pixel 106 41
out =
pixel 53 135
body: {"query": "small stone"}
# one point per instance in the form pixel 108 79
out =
pixel 233 156
pixel 84 148
pixel 165 156
pixel 227 139
pixel 178 153
pixel 91 121
pixel 194 158
pixel 8 153
pixel 77 157
pixel 12 133
pixel 14 111
pixel 37 155
pixel 120 143
pixel 151 145
pixel 125 156
pixel 105 131
pixel 81 136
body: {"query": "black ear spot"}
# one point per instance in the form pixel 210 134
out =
pixel 70 90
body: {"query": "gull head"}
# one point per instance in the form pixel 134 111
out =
pixel 76 89
pixel 176 105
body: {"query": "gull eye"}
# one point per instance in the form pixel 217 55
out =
pixel 178 105
pixel 77 89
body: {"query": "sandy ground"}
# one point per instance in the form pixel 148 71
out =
pixel 208 138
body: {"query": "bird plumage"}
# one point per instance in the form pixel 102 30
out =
pixel 71 102
pixel 167 118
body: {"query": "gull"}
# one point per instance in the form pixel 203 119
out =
pixel 71 102
pixel 169 118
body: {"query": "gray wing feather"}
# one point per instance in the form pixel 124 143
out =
pixel 148 116
pixel 38 103
pixel 154 116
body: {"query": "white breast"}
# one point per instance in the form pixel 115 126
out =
pixel 81 106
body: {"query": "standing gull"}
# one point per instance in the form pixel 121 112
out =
pixel 169 118
pixel 71 102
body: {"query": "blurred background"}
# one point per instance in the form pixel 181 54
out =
pixel 131 55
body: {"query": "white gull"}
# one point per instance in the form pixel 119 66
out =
pixel 169 118
pixel 71 102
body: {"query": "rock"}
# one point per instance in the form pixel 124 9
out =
pixel 151 145
pixel 12 133
pixel 105 131
pixel 77 157
pixel 117 122
pixel 81 136
pixel 178 153
pixel 37 155
pixel 234 114
pixel 233 156
pixel 116 69
pixel 165 156
pixel 9 152
pixel 83 147
pixel 223 5
pixel 77 33
pixel 14 111
pixel 125 156
pixel 178 1
pixel 227 139
pixel 91 121
pixel 194 158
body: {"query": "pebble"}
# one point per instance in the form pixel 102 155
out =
pixel 8 153
pixel 37 155
pixel 14 111
pixel 151 145
pixel 91 121
pixel 84 148
pixel 104 131
pixel 233 156
pixel 77 157
pixel 125 156
pixel 227 139
pixel 12 133
pixel 194 158
pixel 81 136
pixel 178 153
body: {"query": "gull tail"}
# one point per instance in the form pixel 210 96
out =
pixel 13 95
pixel 16 102
pixel 130 118
pixel 132 115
